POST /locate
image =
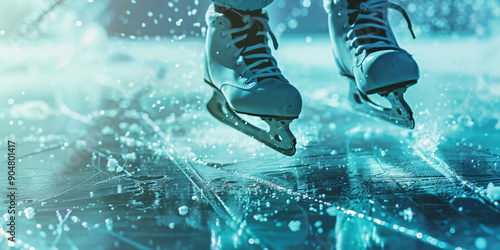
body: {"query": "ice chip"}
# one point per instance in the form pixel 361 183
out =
pixel 408 214
pixel 131 157
pixel 493 192
pixel 109 224
pixel 183 210
pixel 119 169
pixel 112 164
pixel 29 212
pixel 332 211
pixel 294 225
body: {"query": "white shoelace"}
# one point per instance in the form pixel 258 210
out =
pixel 255 72
pixel 371 11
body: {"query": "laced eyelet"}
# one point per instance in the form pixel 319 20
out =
pixel 264 65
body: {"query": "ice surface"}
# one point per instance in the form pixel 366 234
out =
pixel 357 178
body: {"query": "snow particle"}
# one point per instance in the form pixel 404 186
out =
pixel 11 101
pixel 183 210
pixel 294 225
pixel 112 164
pixel 481 243
pixel 109 224
pixel 78 23
pixel 29 212
pixel 292 24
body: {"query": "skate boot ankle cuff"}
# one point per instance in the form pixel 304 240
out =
pixel 354 4
pixel 236 15
pixel 219 9
pixel 222 10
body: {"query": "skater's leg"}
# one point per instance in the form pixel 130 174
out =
pixel 367 53
pixel 245 76
pixel 243 4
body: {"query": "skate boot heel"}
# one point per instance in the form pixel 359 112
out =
pixel 278 137
pixel 400 112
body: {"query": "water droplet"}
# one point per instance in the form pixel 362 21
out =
pixel 109 224
pixel 481 243
pixel 183 210
pixel 29 212
pixel 294 225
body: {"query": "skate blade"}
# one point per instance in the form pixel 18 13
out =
pixel 400 114
pixel 279 137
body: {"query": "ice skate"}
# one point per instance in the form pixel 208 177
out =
pixel 367 53
pixel 246 79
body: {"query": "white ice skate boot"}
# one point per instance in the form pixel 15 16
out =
pixel 246 79
pixel 367 53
